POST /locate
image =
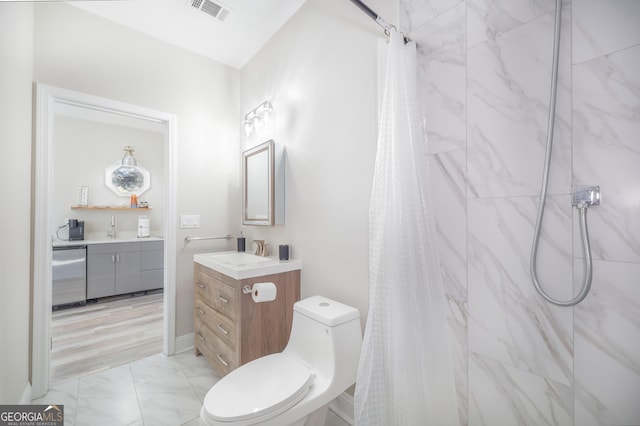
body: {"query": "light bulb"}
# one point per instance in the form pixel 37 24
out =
pixel 257 122
pixel 248 127
pixel 266 112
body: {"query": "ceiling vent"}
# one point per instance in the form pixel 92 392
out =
pixel 212 8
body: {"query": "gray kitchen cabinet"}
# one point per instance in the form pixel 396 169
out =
pixel 112 268
pixel 151 265
pixel 101 279
pixel 120 268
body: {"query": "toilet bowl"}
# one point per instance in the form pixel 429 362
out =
pixel 293 387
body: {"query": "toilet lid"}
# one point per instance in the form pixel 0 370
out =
pixel 265 385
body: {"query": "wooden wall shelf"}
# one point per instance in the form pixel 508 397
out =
pixel 108 208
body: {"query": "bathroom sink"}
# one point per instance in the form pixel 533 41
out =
pixel 245 265
pixel 240 260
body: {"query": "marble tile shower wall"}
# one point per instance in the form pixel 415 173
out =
pixel 484 78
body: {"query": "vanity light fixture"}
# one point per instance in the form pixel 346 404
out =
pixel 257 118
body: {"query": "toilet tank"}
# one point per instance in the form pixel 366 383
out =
pixel 327 311
pixel 326 336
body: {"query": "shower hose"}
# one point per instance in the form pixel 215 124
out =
pixel 582 207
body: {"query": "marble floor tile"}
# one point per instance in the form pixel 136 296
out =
pixel 154 391
pixel 63 394
pixel 109 404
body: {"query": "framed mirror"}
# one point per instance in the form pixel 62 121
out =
pixel 127 180
pixel 263 185
pixel 127 177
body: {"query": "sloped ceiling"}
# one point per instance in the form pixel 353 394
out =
pixel 245 30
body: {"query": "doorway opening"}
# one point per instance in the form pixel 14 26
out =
pixel 49 102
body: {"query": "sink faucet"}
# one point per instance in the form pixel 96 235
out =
pixel 111 232
pixel 261 247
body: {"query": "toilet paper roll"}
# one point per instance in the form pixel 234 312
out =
pixel 263 292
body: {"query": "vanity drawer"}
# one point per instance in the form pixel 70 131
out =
pixel 219 324
pixel 223 358
pixel 217 294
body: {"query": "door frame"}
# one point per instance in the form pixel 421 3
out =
pixel 46 99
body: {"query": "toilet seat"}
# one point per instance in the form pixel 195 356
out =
pixel 261 388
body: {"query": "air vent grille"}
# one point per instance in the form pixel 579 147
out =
pixel 212 8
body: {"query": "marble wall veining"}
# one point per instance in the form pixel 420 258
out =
pixel 484 71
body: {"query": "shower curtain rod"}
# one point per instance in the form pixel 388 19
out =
pixel 379 20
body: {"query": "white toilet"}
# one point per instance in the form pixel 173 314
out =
pixel 293 387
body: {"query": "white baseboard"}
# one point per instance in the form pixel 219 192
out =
pixel 343 407
pixel 26 395
pixel 184 343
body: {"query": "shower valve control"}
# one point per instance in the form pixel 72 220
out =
pixel 585 196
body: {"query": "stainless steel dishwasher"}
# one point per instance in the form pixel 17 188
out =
pixel 69 275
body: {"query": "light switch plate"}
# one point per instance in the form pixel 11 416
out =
pixel 189 221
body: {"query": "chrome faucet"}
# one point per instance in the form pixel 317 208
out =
pixel 111 232
pixel 261 247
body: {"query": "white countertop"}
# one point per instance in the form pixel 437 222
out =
pixel 239 265
pixel 102 238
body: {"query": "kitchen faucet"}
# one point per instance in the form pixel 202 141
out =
pixel 111 233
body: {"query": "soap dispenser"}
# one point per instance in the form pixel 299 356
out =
pixel 241 243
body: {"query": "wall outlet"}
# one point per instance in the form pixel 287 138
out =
pixel 189 221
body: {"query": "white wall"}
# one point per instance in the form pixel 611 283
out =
pixel 82 150
pixel 319 72
pixel 76 50
pixel 16 41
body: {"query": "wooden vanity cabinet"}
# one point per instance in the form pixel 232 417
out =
pixel 229 328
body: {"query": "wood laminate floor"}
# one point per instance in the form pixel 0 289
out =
pixel 98 336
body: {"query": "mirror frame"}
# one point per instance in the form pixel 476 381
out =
pixel 275 187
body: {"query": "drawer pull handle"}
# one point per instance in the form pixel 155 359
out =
pixel 200 336
pixel 201 285
pixel 225 363
pixel 223 300
pixel 226 333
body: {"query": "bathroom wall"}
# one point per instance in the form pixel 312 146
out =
pixel 319 73
pixel 82 150
pixel 484 76
pixel 16 45
pixel 112 61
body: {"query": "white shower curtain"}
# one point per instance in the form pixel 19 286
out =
pixel 405 376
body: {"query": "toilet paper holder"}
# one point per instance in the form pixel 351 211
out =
pixel 261 292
